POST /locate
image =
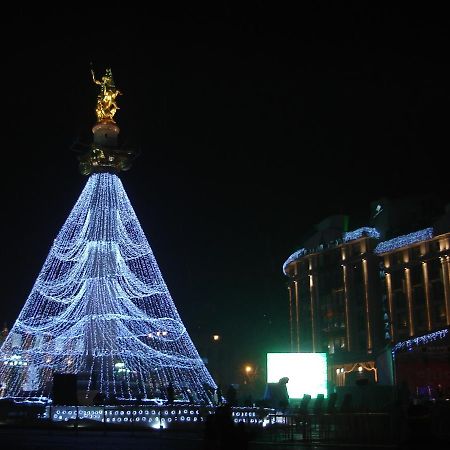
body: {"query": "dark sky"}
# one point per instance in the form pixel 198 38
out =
pixel 254 124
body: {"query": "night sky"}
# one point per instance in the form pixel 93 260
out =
pixel 254 124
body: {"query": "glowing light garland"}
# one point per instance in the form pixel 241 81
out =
pixel 403 241
pixel 101 309
pixel 382 247
pixel 346 237
pixel 296 255
pixel 361 232
pixel 420 340
pixel 153 416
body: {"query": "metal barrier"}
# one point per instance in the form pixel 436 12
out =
pixel 338 427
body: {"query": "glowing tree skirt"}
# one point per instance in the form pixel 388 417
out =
pixel 101 309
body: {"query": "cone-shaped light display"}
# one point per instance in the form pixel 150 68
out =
pixel 100 309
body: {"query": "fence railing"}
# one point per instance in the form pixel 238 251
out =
pixel 360 427
pixel 337 427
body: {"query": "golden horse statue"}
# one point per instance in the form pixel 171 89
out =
pixel 106 99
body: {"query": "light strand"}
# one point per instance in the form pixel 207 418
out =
pixel 409 344
pixel 100 308
pixel 346 237
pixel 404 241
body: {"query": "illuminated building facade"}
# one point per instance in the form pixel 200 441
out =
pixel 352 293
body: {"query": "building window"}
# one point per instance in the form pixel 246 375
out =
pixel 419 296
pixel 416 275
pixel 437 291
pixel 416 253
pixel 400 300
pixel 397 280
pixel 402 321
pixel 437 298
pixel 434 269
pixel 398 258
pixel 434 247
pixel 419 319
pixel 439 317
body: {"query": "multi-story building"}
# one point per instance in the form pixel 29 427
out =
pixel 352 294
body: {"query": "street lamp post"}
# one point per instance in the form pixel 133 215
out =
pixel 216 360
pixel 249 378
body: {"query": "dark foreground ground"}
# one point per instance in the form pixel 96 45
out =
pixel 38 439
pixel 32 439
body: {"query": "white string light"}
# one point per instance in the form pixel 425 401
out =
pixel 361 232
pixel 100 308
pixel 346 237
pixel 404 241
pixel 296 255
pixel 409 344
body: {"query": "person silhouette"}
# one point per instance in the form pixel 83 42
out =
pixel 284 396
pixel 218 396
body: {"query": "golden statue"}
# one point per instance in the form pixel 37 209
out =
pixel 106 99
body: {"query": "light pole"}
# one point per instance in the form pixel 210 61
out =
pixel 248 369
pixel 216 360
pixel 249 378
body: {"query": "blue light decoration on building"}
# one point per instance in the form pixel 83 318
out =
pixel 293 257
pixel 409 344
pixel 361 232
pixel 404 241
pixel 346 237
pixel 100 309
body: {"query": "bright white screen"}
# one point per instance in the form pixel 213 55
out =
pixel 307 372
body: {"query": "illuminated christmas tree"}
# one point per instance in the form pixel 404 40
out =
pixel 100 307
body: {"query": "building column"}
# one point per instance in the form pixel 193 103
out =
pixel 297 314
pixel 409 300
pixel 366 297
pixel 313 315
pixel 427 294
pixel 347 314
pixel 391 305
pixel 445 277
pixel 291 318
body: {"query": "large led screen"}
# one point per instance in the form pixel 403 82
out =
pixel 307 372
